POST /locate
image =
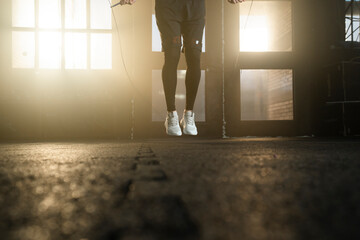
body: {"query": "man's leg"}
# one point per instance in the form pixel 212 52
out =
pixel 169 75
pixel 193 75
pixel 193 29
pixel 168 22
pixel 192 79
pixel 168 17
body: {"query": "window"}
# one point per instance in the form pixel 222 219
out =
pixel 265 26
pixel 352 20
pixel 61 34
pixel 266 94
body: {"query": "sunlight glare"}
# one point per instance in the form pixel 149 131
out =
pixel 101 51
pixel 75 51
pixel 23 49
pixel 254 37
pixel 265 26
pixel 100 14
pixel 49 13
pixel 49 50
pixel 23 13
pixel 75 14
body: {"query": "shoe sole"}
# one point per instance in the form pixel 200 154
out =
pixel 190 134
pixel 185 132
pixel 174 134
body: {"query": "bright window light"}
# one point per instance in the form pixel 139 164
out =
pixel 50 50
pixel 58 40
pixel 23 49
pixel 100 14
pixel 49 13
pixel 156 39
pixel 75 14
pixel 254 38
pixel 75 51
pixel 265 26
pixel 23 13
pixel 101 51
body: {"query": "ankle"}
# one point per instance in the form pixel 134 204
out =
pixel 172 112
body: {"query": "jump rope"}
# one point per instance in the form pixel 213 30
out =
pixel 129 78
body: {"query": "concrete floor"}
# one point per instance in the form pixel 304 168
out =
pixel 182 188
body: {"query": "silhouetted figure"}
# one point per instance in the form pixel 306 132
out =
pixel 177 20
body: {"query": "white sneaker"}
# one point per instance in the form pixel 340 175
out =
pixel 188 123
pixel 172 124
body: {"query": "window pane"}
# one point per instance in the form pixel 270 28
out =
pixel 23 13
pixel 50 13
pixel 352 25
pixel 100 14
pixel 50 50
pixel 101 48
pixel 265 26
pixel 349 34
pixel 158 96
pixel 75 50
pixel 266 95
pixel 156 39
pixel 23 49
pixel 75 13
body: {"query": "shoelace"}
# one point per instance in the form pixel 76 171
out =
pixel 173 121
pixel 189 120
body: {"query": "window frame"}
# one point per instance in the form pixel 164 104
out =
pixel 63 30
pixel 237 60
pixel 351 19
pixel 268 60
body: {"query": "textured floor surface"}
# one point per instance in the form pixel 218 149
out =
pixel 181 189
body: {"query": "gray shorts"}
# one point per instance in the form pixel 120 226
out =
pixel 178 19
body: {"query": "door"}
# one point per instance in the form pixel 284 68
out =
pixel 260 70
